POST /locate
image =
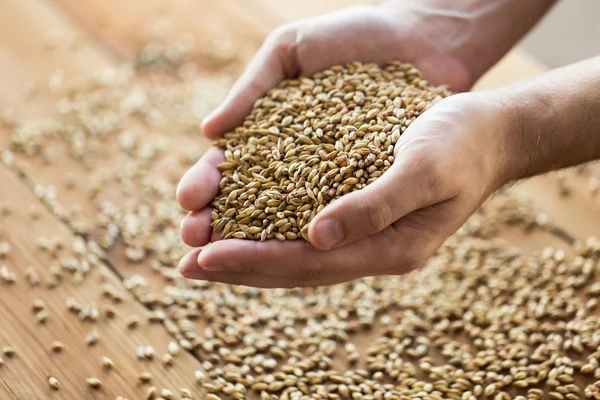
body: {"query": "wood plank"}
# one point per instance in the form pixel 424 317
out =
pixel 35 112
pixel 24 50
pixel 208 22
pixel 111 155
pixel 295 10
pixel 30 53
pixel 25 376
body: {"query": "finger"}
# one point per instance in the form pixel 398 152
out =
pixel 425 230
pixel 273 62
pixel 188 263
pixel 195 228
pixel 267 281
pixel 216 236
pixel 188 267
pixel 299 259
pixel 410 184
pixel 200 184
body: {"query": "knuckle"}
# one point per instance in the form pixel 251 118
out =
pixel 413 260
pixel 282 35
pixel 182 195
pixel 234 280
pixel 433 178
pixel 411 255
pixel 295 283
pixel 252 260
pixel 378 213
pixel 249 268
pixel 307 266
pixel 310 269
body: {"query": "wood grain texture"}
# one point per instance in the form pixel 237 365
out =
pixel 27 60
pixel 25 376
pixel 204 20
pixel 99 34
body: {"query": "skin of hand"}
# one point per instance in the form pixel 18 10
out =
pixel 441 175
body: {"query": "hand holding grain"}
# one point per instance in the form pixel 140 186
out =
pixel 393 225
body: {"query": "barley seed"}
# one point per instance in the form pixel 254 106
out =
pixel 167 359
pixel 151 393
pixel 53 382
pixel 295 155
pixel 42 316
pixel 132 322
pixel 145 377
pixel 107 363
pixel 94 383
pixel 4 249
pixel 38 305
pixel 92 338
pixel 57 346
pixel 173 349
pixel 9 351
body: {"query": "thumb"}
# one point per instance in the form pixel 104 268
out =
pixel 273 62
pixel 410 184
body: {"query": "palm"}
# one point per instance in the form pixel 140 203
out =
pixel 368 35
pixel 357 34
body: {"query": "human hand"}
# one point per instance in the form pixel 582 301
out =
pixel 363 33
pixel 447 163
pixel 404 32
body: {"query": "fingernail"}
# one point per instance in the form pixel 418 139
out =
pixel 188 272
pixel 197 275
pixel 212 267
pixel 207 266
pixel 329 233
pixel 209 116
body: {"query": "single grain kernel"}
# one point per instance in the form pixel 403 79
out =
pixel 54 383
pixel 94 383
pixel 57 346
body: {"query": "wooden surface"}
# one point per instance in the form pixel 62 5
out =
pixel 25 376
pixel 99 34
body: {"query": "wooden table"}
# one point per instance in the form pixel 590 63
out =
pixel 97 34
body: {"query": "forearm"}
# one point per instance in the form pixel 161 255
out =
pixel 556 120
pixel 477 32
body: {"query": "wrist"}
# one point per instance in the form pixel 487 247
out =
pixel 474 34
pixel 511 126
pixel 498 131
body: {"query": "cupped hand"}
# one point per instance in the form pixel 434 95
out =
pixel 447 163
pixel 440 177
pixel 362 33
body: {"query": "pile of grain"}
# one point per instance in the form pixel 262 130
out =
pixel 312 140
pixel 481 320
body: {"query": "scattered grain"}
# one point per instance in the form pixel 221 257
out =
pixel 92 338
pixel 94 383
pixel 9 351
pixel 54 383
pixel 145 377
pixel 57 346
pixel 107 363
